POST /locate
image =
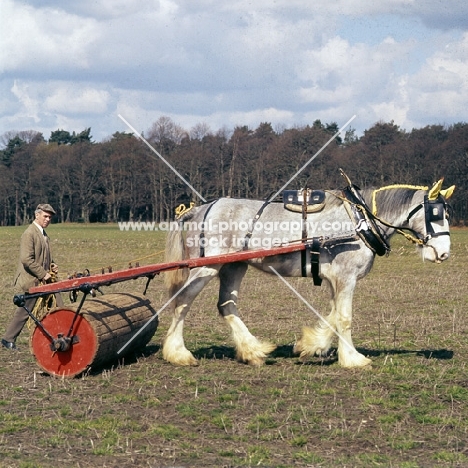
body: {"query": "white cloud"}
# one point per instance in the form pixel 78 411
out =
pixel 29 106
pixel 67 99
pixel 47 41
pixel 439 90
pixel 235 62
pixel 339 71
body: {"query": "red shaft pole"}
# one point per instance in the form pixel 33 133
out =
pixel 138 272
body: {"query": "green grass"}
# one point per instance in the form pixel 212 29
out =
pixel 409 409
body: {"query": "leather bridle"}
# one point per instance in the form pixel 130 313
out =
pixel 434 210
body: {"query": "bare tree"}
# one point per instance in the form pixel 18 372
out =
pixel 199 131
pixel 165 129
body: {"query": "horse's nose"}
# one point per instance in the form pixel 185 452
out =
pixel 444 256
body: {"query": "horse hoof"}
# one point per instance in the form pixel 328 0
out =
pixel 180 358
pixel 255 356
pixel 307 352
pixel 355 360
pixel 256 362
pixel 184 362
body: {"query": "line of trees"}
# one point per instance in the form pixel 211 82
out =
pixel 122 179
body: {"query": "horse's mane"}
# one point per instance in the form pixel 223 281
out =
pixel 382 201
pixel 386 200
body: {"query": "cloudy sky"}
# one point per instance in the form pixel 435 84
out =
pixel 78 64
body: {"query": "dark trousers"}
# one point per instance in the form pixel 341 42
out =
pixel 21 317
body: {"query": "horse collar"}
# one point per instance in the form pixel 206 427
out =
pixel 364 222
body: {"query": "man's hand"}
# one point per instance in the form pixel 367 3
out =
pixel 54 268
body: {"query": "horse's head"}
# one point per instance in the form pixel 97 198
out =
pixel 429 218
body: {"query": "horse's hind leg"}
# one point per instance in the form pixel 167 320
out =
pixel 174 350
pixel 248 348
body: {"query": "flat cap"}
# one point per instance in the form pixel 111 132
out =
pixel 45 207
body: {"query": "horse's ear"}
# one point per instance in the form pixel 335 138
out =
pixel 448 192
pixel 435 190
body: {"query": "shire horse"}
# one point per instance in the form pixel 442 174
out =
pixel 351 226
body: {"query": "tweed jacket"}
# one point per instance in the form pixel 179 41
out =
pixel 34 259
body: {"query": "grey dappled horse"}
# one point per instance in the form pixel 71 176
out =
pixel 221 227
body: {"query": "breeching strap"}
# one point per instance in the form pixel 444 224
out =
pixel 202 232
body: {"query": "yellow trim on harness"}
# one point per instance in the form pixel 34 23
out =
pixel 182 209
pixel 390 187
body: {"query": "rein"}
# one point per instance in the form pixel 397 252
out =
pixel 44 303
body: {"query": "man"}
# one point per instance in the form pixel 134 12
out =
pixel 35 266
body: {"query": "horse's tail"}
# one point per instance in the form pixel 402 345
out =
pixel 176 251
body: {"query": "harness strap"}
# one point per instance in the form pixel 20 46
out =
pixel 304 255
pixel 255 219
pixel 315 248
pixel 202 232
pixel 413 212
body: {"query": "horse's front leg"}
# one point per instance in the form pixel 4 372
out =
pixel 348 356
pixel 248 348
pixel 174 350
pixel 317 340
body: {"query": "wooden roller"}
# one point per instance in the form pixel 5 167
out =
pixel 103 327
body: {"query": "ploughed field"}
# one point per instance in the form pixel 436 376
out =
pixel 409 409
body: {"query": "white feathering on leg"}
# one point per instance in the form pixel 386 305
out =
pixel 248 348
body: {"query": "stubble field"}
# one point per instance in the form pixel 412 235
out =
pixel 409 409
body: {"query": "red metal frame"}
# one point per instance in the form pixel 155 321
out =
pixel 149 270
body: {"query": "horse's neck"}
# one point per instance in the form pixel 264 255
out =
pixel 393 206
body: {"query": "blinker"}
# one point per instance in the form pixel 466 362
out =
pixel 435 210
